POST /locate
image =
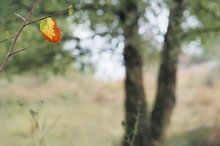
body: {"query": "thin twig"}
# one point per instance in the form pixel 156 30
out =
pixel 17 35
pixel 19 16
pixel 11 37
pixel 17 51
pixel 130 137
pixel 51 126
pixel 135 131
pixel 199 31
pixel 57 13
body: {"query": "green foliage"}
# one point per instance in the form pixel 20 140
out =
pixel 206 11
pixel 106 19
pixel 206 14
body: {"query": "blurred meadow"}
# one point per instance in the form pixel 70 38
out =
pixel 87 111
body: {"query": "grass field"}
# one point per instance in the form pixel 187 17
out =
pixel 79 110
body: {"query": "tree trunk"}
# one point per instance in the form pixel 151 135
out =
pixel 135 103
pixel 165 99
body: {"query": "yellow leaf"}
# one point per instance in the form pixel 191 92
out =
pixel 50 30
pixel 70 10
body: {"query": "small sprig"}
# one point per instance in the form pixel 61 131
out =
pixel 130 138
pixel 39 131
pixel 19 16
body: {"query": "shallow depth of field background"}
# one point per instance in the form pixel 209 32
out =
pixel 90 111
pixel 84 104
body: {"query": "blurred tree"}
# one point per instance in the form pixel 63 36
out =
pixel 122 18
pixel 119 20
pixel 188 21
pixel 165 99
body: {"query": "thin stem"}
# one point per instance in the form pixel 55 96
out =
pixel 17 51
pixel 16 37
pixel 130 137
pixel 51 127
pixel 11 37
pixel 135 131
pixel 200 31
pixel 57 13
pixel 19 16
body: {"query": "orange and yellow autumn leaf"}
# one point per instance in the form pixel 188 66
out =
pixel 50 30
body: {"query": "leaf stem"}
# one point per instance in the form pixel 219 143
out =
pixel 57 13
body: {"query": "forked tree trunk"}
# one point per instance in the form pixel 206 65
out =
pixel 165 99
pixel 135 96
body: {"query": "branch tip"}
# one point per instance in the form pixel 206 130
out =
pixel 19 16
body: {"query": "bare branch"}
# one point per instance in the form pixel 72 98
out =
pixel 17 51
pixel 16 37
pixel 200 31
pixel 25 23
pixel 11 37
pixel 57 13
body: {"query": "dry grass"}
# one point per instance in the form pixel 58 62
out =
pixel 198 103
pixel 91 111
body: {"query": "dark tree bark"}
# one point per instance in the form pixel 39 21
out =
pixel 134 91
pixel 148 135
pixel 165 99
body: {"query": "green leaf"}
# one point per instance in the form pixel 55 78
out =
pixel 70 10
pixel 42 24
